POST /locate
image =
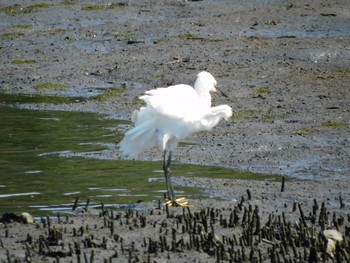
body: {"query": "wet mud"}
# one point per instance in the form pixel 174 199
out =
pixel 253 228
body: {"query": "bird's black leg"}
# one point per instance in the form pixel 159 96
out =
pixel 167 174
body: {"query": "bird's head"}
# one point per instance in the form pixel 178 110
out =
pixel 207 81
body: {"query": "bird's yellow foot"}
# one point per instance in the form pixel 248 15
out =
pixel 183 202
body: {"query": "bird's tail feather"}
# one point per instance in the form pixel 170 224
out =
pixel 138 139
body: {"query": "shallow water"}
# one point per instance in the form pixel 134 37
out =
pixel 50 158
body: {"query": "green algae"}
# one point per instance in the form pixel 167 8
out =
pixel 109 94
pixel 246 114
pixel 335 125
pixel 67 2
pixel 23 26
pixel 343 71
pixel 11 35
pixel 18 9
pixel 262 90
pixel 23 61
pixel 53 86
pixel 104 7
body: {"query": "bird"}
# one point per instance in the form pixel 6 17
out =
pixel 170 115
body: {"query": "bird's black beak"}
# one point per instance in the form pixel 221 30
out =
pixel 219 91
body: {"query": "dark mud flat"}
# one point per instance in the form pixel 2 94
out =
pixel 264 225
pixel 286 69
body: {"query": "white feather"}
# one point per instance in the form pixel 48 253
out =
pixel 172 114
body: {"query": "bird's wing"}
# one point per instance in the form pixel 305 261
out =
pixel 214 115
pixel 175 101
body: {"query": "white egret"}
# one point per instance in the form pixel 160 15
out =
pixel 170 115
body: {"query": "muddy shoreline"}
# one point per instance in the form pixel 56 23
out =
pixel 252 228
pixel 285 67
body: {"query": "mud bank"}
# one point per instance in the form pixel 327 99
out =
pixel 262 225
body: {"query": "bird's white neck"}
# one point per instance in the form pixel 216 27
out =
pixel 203 92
